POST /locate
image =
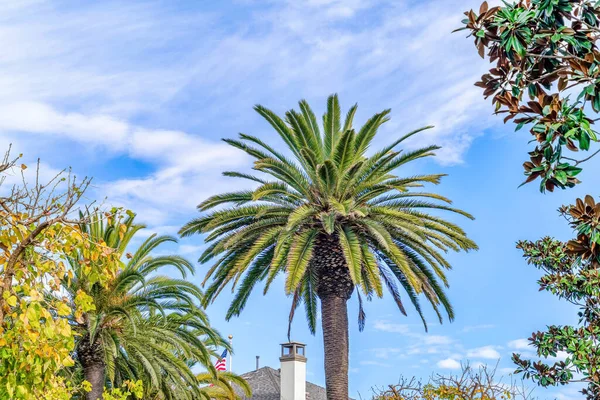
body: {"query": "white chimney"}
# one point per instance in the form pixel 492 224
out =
pixel 293 371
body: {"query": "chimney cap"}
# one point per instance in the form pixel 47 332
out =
pixel 293 351
pixel 293 342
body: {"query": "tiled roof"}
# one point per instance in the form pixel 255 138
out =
pixel 265 384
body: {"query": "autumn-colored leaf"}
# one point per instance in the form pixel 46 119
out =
pixel 483 8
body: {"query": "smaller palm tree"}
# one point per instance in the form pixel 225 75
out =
pixel 144 325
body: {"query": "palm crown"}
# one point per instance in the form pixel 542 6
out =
pixel 326 195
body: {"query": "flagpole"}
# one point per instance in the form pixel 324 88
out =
pixel 230 356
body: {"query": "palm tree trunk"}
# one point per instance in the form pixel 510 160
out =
pixel 91 356
pixel 334 317
pixel 94 374
pixel 334 288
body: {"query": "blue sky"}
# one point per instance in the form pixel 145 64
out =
pixel 138 94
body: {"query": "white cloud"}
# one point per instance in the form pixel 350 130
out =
pixel 40 118
pixel 420 343
pixel 560 356
pixel 519 344
pixel 449 363
pixel 375 363
pixel 44 172
pixel 488 352
pixel 334 8
pixel 386 326
pixel 98 56
pixel 478 364
pixel 158 229
pixel 572 392
pixel 186 249
pixel 385 353
pixel 507 371
pixel 181 152
pixel 471 328
pixel 437 340
pixel 568 396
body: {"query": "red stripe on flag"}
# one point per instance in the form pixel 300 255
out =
pixel 221 365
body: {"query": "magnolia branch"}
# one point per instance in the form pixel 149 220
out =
pixel 577 162
pixel 556 56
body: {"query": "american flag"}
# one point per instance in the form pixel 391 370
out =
pixel 221 364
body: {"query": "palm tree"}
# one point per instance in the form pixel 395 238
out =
pixel 143 325
pixel 331 218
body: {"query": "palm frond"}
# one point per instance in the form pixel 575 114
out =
pixel 331 124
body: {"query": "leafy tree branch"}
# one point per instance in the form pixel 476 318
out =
pixel 571 272
pixel 546 76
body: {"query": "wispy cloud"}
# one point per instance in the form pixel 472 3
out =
pixel 137 87
pixel 572 392
pixel 472 328
pixel 386 326
pixel 419 342
pixel 386 352
pixel 176 151
pixel 437 340
pixel 449 350
pixel 188 166
pixel 375 363
pixel 506 371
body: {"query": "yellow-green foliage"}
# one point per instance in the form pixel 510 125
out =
pixel 36 236
pixel 129 388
